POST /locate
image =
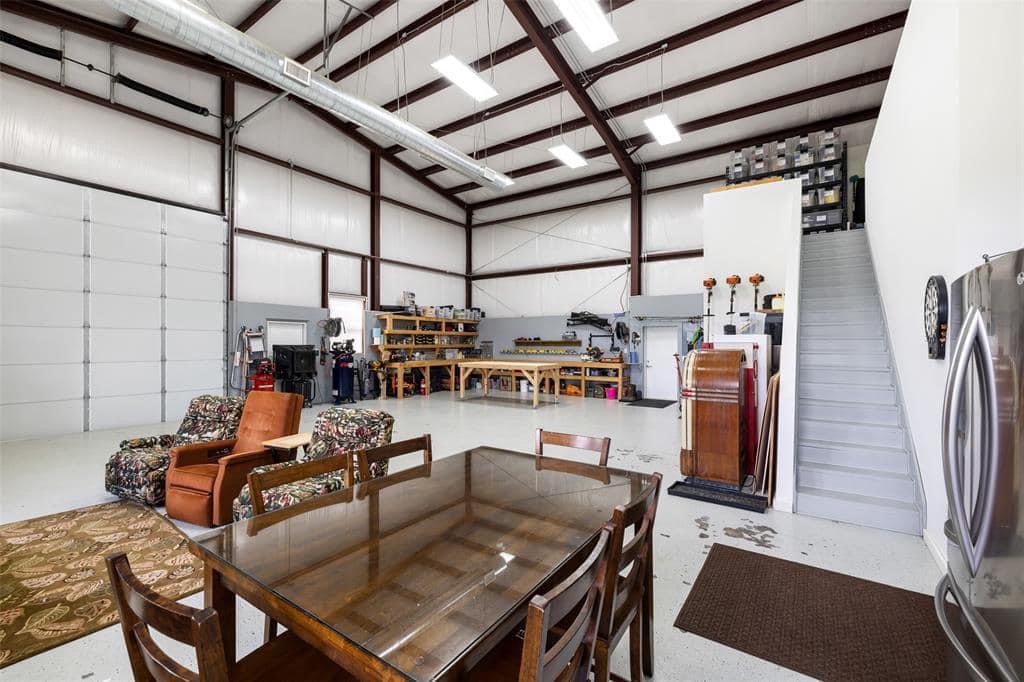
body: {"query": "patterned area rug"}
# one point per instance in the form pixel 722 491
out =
pixel 53 579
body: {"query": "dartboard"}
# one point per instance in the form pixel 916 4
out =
pixel 936 316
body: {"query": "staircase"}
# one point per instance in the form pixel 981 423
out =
pixel 853 458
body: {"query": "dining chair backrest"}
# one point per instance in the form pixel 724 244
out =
pixel 576 600
pixel 367 458
pixel 599 445
pixel 141 608
pixel 623 594
pixel 272 478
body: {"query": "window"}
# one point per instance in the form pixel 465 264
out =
pixel 352 310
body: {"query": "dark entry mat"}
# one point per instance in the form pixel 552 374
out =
pixel 651 402
pixel 820 623
pixel 719 495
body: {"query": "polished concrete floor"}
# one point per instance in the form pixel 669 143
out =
pixel 44 476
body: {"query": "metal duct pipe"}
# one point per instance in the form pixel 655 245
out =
pixel 195 27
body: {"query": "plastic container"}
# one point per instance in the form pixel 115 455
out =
pixel 611 392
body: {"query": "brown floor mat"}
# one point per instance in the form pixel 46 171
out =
pixel 820 623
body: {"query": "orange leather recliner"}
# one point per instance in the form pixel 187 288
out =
pixel 204 478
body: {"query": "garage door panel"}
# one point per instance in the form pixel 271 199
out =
pixel 176 402
pixel 195 254
pixel 208 315
pixel 194 345
pixel 124 312
pixel 36 307
pixel 34 420
pixel 41 270
pixel 183 375
pixel 195 225
pixel 107 241
pixel 123 378
pixel 115 412
pixel 124 345
pixel 33 345
pixel 22 230
pixel 40 195
pixel 39 383
pixel 116 277
pixel 116 209
pixel 195 285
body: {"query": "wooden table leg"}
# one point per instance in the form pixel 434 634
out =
pixel 536 388
pixel 382 379
pixel 218 597
pixel 485 375
pixel 400 381
pixel 558 389
pixel 426 379
pixel 451 378
pixel 463 377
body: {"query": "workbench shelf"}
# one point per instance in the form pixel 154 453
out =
pixel 408 327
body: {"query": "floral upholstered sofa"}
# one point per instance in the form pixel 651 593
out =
pixel 336 431
pixel 138 471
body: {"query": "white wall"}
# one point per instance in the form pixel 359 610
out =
pixel 757 230
pixel 945 186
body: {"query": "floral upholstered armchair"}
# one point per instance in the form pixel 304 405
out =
pixel 337 431
pixel 138 471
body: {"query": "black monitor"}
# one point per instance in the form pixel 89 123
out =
pixel 294 361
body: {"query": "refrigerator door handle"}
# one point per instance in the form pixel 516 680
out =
pixel 982 528
pixel 941 590
pixel 950 451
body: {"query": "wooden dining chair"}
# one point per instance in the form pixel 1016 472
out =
pixel 142 609
pixel 627 596
pixel 546 651
pixel 367 459
pixel 260 481
pixel 599 445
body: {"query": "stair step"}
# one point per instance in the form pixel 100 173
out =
pixel 841 316
pixel 856 481
pixel 840 330
pixel 851 432
pixel 817 305
pixel 858 360
pixel 846 376
pixel 893 460
pixel 862 413
pixel 840 294
pixel 862 393
pixel 863 510
pixel 817 344
pixel 845 235
pixel 835 280
pixel 836 265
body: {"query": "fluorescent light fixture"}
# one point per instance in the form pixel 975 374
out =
pixel 589 22
pixel 568 156
pixel 662 129
pixel 465 77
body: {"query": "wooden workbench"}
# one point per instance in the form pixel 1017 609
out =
pixel 535 373
pixel 424 366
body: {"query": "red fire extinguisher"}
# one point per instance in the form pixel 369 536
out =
pixel 263 378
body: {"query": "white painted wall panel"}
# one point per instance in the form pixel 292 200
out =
pixel 123 378
pixel 415 238
pixel 683 276
pixel 195 285
pixel 37 383
pixel 118 411
pixel 268 272
pixel 194 345
pixel 554 293
pixel 36 32
pixel 192 86
pixel 34 420
pixel 124 345
pixel 22 230
pixel 194 374
pixel 33 345
pixel 431 288
pixel 88 51
pixel 40 270
pixel 398 185
pixel 120 277
pixel 107 241
pixel 35 307
pixel 263 197
pixel 124 312
pixel 345 274
pixel 201 315
pixel 673 221
pixel 123 211
pixel 195 254
pixel 325 214
pixel 183 222
pixel 50 131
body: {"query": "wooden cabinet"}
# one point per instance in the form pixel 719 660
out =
pixel 713 401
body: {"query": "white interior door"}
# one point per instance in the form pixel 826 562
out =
pixel 660 346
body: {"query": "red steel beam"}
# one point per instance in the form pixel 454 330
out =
pixel 404 34
pixel 261 11
pixel 351 27
pixel 771 104
pixel 650 51
pixel 375 230
pixel 780 58
pixel 546 46
pixel 636 239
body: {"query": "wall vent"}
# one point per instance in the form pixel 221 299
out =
pixel 297 72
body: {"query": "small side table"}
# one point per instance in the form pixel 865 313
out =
pixel 286 447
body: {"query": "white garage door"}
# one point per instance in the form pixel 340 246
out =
pixel 113 308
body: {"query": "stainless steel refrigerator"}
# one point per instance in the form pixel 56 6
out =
pixel 983 459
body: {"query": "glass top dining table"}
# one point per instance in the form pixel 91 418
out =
pixel 422 568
